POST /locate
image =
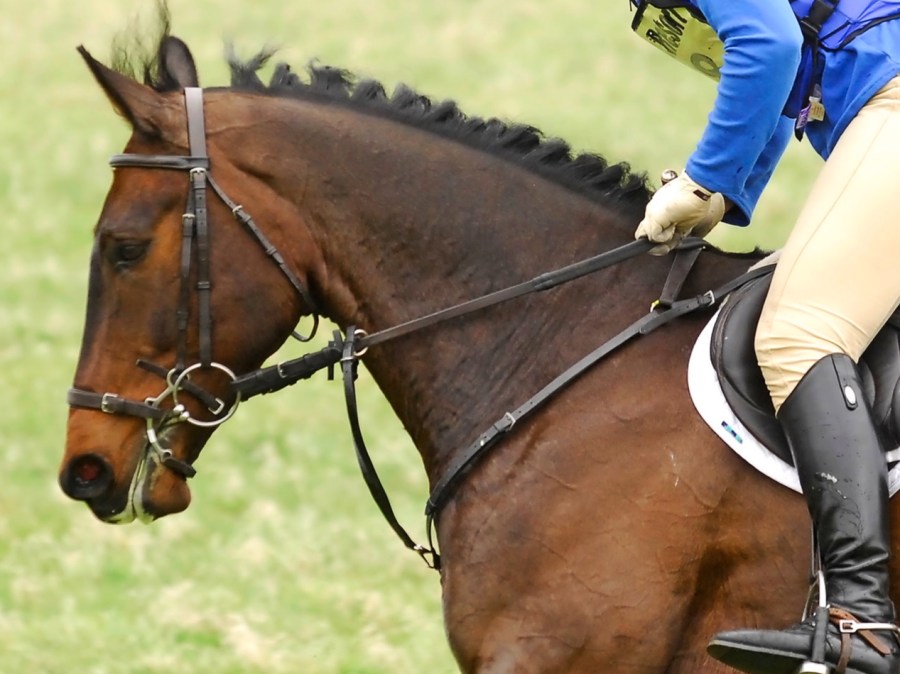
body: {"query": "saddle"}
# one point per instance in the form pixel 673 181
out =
pixel 734 360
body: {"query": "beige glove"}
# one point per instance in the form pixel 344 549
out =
pixel 678 208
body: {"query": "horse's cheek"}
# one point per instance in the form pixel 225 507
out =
pixel 162 329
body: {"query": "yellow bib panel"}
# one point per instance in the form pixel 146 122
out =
pixel 680 33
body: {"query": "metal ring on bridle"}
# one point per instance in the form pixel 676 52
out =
pixel 176 386
pixel 312 333
pixel 359 333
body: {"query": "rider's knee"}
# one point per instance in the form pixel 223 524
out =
pixel 785 353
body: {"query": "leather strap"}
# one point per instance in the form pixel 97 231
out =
pixel 271 251
pixel 844 658
pixel 685 258
pixel 445 486
pixel 158 161
pixel 848 624
pixel 110 403
pixel 276 377
pixel 204 283
pixel 196 124
pixel 196 127
pixel 182 313
pixel 353 345
pixel 537 284
pixel 349 363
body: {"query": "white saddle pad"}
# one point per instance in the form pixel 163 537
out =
pixel 706 392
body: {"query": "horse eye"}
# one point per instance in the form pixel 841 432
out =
pixel 124 254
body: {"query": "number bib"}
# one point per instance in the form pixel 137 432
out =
pixel 681 31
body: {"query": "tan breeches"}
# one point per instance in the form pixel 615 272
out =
pixel 838 279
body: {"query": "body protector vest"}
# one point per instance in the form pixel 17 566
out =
pixel 679 29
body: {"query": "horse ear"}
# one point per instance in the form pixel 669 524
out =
pixel 177 64
pixel 137 103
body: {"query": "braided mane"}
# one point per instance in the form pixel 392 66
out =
pixel 615 185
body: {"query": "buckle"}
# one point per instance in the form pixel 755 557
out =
pixel 819 12
pixel 107 402
pixel 505 423
pixel 848 626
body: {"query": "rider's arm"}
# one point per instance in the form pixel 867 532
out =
pixel 746 135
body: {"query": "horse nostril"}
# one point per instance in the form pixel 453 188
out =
pixel 86 477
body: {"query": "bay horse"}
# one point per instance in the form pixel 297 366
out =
pixel 610 531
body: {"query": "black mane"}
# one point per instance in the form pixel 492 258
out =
pixel 590 174
pixel 552 158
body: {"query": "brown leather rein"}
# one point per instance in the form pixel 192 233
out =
pixel 348 348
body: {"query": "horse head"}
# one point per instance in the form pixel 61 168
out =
pixel 179 300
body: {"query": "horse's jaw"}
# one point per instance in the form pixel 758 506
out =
pixel 154 492
pixel 133 505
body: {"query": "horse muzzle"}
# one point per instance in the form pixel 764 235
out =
pixel 86 477
pixel 90 478
pixel 119 492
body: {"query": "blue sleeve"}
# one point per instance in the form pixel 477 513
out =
pixel 762 170
pixel 745 134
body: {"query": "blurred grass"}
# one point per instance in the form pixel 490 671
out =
pixel 282 564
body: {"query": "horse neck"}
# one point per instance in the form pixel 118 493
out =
pixel 408 222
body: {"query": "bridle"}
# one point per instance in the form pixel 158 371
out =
pixel 347 349
pixel 195 235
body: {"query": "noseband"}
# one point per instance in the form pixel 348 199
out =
pixel 195 233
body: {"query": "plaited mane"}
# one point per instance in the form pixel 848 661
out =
pixel 615 185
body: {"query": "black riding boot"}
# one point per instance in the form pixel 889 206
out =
pixel 842 471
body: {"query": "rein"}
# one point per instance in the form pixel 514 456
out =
pixel 276 377
pixel 350 348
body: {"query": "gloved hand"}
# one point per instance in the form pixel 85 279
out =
pixel 678 208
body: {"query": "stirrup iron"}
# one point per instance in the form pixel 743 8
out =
pixel 816 663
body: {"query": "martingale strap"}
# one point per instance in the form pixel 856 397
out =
pixel 349 362
pixel 351 347
pixel 659 315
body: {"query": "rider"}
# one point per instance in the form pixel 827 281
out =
pixel 835 286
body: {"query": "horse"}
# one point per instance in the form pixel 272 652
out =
pixel 608 531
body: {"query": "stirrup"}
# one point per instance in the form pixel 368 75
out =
pixel 847 626
pixel 846 623
pixel 816 663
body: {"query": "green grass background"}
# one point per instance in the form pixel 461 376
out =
pixel 282 564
